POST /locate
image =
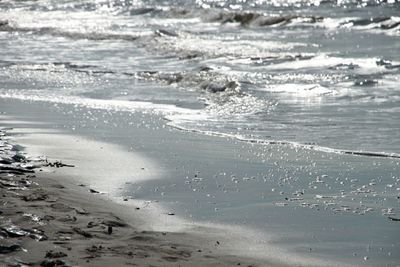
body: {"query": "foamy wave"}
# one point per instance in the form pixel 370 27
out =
pixel 114 105
pixel 361 65
pixel 90 35
pixel 299 89
pixel 178 122
pixel 214 47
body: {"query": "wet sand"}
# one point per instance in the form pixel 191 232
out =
pixel 215 188
pixel 49 220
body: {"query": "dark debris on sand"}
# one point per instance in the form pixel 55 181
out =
pixel 17 182
pixel 42 225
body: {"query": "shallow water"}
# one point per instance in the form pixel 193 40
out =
pixel 324 73
pixel 318 78
pixel 307 207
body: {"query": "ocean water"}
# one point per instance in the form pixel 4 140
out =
pixel 324 73
pixel 319 76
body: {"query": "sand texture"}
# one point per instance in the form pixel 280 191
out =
pixel 49 221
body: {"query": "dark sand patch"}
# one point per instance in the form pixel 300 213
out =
pixel 49 222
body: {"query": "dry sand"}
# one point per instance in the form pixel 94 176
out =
pixel 46 220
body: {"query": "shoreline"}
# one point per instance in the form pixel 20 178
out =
pixel 79 228
pixel 226 245
pixel 197 155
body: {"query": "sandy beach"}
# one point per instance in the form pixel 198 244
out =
pixel 47 220
pixel 137 192
pixel 200 133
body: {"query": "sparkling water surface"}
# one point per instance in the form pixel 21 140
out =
pixel 320 77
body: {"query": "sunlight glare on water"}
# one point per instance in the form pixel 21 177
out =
pixel 308 90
